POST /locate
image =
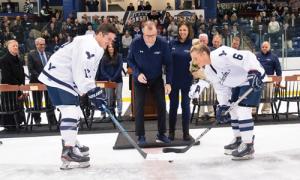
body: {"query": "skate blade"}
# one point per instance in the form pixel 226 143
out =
pixel 69 166
pixel 228 152
pixel 85 153
pixel 247 157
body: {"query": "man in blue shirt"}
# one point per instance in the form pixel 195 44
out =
pixel 147 56
pixel 271 64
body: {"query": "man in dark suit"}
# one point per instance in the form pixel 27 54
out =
pixel 37 59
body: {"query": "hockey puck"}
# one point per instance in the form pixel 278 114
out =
pixel 171 161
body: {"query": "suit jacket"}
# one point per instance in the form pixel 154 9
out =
pixel 35 65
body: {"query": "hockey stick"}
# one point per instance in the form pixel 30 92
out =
pixel 131 141
pixel 124 132
pixel 183 150
pixel 1 129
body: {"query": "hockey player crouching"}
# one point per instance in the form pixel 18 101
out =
pixel 232 72
pixel 70 73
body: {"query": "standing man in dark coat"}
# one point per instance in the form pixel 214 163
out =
pixel 147 56
pixel 12 73
pixel 271 64
pixel 37 59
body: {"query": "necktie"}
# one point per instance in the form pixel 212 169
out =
pixel 43 59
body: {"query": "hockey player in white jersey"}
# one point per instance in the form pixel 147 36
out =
pixel 232 72
pixel 70 73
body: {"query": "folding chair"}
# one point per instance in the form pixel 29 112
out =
pixel 290 92
pixel 102 84
pixel 10 104
pixel 38 101
pixel 207 98
pixel 269 94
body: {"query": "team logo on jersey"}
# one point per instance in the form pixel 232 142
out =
pixel 224 76
pixel 89 55
pixel 223 53
pixel 51 67
pixel 156 52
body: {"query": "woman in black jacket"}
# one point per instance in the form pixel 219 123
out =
pixel 12 72
pixel 111 70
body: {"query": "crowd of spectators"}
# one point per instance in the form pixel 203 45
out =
pixel 265 21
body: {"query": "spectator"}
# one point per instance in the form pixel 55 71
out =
pixel 10 7
pixel 148 75
pixel 234 30
pixel 126 41
pixel 273 29
pixel 172 30
pixel 28 7
pixel 136 32
pixel 181 80
pixel 27 26
pixel 148 6
pixel 217 41
pixel 259 30
pixel 289 33
pixel 90 31
pixel 45 14
pixel 168 7
pixel 111 69
pixel 92 5
pixel 130 7
pixel 37 59
pixel 271 64
pixel 236 42
pixel 12 72
pixel 141 7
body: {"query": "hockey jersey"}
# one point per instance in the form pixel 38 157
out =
pixel 229 68
pixel 73 67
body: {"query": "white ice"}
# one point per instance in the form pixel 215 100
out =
pixel 277 157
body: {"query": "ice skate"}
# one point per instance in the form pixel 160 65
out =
pixel 244 152
pixel 83 149
pixel 72 154
pixel 232 146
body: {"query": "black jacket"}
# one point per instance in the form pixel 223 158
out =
pixel 12 71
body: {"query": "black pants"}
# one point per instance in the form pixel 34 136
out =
pixel 157 88
pixel 185 105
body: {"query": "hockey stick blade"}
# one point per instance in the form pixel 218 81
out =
pixel 124 132
pixel 183 150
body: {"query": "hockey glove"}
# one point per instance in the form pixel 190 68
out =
pixel 221 117
pixel 255 80
pixel 97 97
pixel 197 88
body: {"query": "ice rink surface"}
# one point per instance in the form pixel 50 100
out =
pixel 277 157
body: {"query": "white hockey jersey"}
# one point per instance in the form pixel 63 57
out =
pixel 74 66
pixel 229 68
